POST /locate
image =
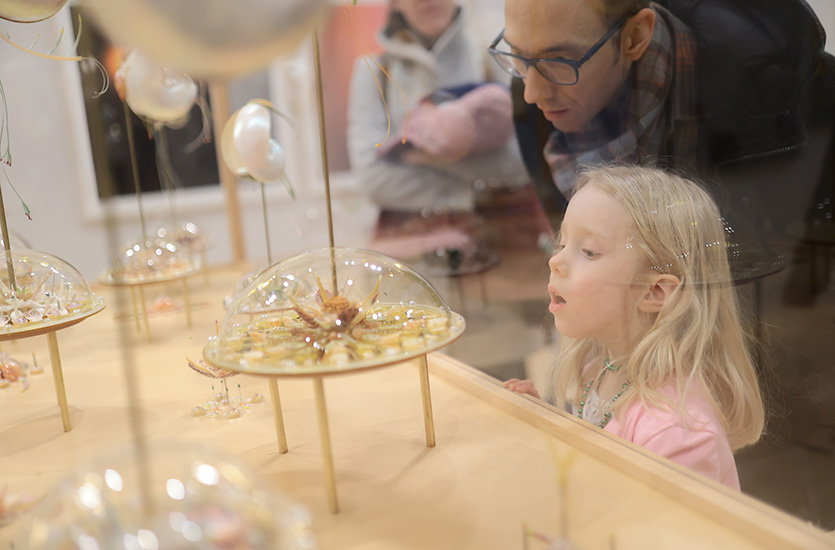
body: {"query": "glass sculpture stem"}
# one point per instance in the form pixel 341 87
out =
pixel 135 169
pixel 324 144
pixel 7 245
pixel 266 224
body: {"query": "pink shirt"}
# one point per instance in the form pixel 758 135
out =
pixel 702 445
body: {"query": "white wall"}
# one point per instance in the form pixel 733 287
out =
pixel 825 9
pixel 52 169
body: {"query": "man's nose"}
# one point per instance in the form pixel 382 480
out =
pixel 536 87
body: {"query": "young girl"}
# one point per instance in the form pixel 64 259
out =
pixel 651 348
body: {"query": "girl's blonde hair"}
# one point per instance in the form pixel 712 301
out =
pixel 696 339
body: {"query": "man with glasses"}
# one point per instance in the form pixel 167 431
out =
pixel 614 77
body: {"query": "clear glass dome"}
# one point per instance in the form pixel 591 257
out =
pixel 149 261
pixel 178 497
pixel 186 236
pixel 47 291
pixel 330 310
pixel 16 241
pixel 243 282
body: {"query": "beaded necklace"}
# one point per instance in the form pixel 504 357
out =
pixel 607 366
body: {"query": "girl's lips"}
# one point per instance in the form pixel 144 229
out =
pixel 557 301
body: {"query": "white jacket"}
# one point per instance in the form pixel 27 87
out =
pixel 459 57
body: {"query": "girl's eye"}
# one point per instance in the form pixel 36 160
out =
pixel 558 248
pixel 589 253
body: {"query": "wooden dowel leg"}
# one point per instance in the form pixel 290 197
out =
pixel 278 417
pixel 135 310
pixel 58 376
pixel 428 421
pixel 144 312
pixel 204 261
pixel 325 436
pixel 188 304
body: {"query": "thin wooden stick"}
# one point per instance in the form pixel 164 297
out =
pixel 428 420
pixel 187 301
pixel 324 144
pixel 135 170
pixel 144 313
pixel 135 310
pixel 7 245
pixel 325 436
pixel 58 376
pixel 219 93
pixel 278 417
pixel 266 225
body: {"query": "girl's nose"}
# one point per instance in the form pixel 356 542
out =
pixel 556 263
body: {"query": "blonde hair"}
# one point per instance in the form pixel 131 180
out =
pixel 696 339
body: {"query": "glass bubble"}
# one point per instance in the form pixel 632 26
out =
pixel 177 497
pixel 151 260
pixel 29 11
pixel 211 39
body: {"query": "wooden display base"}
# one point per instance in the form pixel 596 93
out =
pixel 54 356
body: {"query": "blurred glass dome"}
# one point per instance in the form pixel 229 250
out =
pixel 176 497
pixel 186 236
pixel 16 241
pixel 150 261
pixel 47 291
pixel 330 310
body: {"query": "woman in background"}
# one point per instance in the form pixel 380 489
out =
pixel 459 137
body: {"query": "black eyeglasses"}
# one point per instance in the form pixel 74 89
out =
pixel 565 72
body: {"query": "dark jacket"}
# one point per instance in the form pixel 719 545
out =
pixel 762 79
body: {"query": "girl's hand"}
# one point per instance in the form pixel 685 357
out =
pixel 522 386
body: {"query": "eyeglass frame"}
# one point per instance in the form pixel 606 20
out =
pixel 574 64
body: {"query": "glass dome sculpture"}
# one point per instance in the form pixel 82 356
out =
pixel 176 497
pixel 244 281
pixel 47 291
pixel 16 241
pixel 330 310
pixel 150 261
pixel 186 236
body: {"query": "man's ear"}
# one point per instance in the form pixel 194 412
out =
pixel 661 287
pixel 637 34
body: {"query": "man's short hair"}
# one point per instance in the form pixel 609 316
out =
pixel 615 10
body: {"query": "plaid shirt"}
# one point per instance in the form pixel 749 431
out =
pixel 654 120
